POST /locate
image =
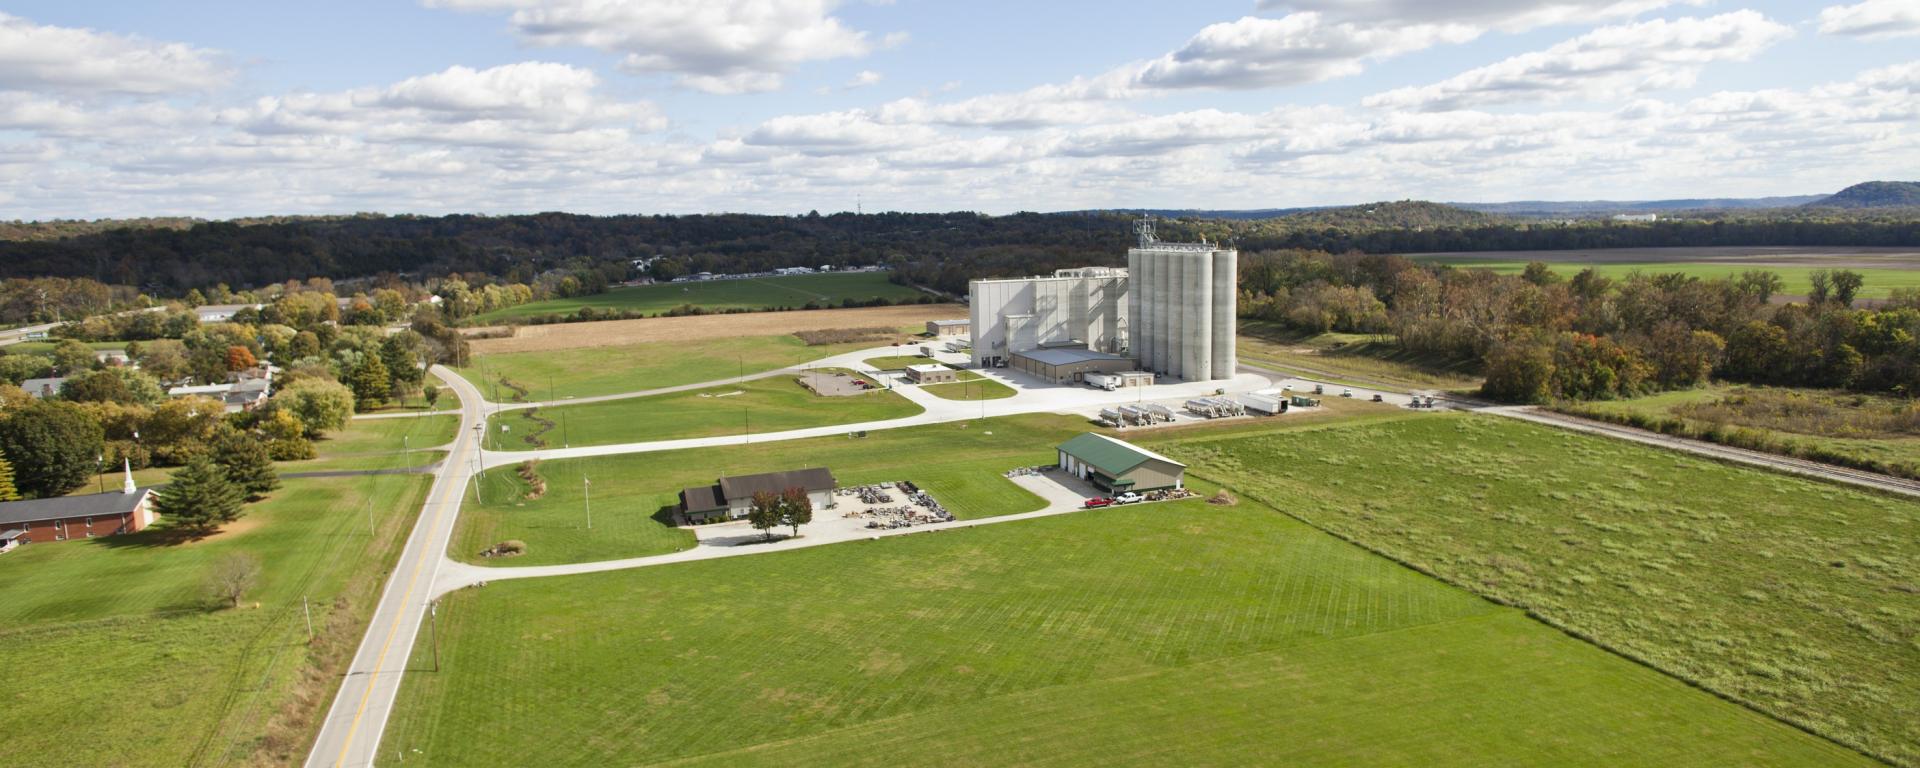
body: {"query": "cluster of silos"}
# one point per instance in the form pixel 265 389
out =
pixel 1182 308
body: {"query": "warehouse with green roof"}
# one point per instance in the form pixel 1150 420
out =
pixel 1117 466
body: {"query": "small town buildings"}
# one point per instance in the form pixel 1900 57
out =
pixel 220 313
pixel 1122 380
pixel 960 327
pixel 113 357
pixel 1117 466
pixel 1636 217
pixel 44 388
pixel 77 517
pixel 1069 365
pixel 732 497
pixel 931 374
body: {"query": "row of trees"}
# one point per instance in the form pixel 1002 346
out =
pixel 792 508
pixel 1541 335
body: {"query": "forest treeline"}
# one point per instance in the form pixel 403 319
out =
pixel 1546 334
pixel 939 250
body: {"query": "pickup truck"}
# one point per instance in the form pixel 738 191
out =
pixel 1128 498
pixel 1098 501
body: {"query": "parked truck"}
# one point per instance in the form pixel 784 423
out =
pixel 1269 403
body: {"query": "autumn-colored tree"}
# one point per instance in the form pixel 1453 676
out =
pixel 240 358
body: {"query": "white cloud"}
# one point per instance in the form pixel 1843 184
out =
pixel 37 57
pixel 835 133
pixel 1509 15
pixel 1873 19
pixel 1299 48
pixel 717 46
pixel 1616 60
pixel 864 78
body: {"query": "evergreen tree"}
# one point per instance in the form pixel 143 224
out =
pixel 7 491
pixel 247 464
pixel 198 497
pixel 370 382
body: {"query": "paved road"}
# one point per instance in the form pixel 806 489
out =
pixel 350 734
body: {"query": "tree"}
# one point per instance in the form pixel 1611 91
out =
pixel 766 513
pixel 232 576
pixel 18 368
pixel 113 385
pixel 304 344
pixel 1519 371
pixel 247 463
pixel 164 359
pixel 1820 287
pixel 433 397
pixel 53 447
pixel 400 353
pixel 240 358
pixel 7 491
pixel 1759 285
pixel 1846 285
pixel 796 509
pixel 198 497
pixel 370 382
pixel 72 357
pixel 321 405
pixel 1538 273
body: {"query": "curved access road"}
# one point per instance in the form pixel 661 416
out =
pixel 350 734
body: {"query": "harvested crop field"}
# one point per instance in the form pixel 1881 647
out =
pixel 1850 257
pixel 699 327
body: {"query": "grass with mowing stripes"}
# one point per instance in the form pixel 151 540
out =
pixel 1792 595
pixel 116 630
pixel 1143 635
pixel 764 405
pixel 592 371
pixel 899 362
pixel 716 295
pixel 1877 284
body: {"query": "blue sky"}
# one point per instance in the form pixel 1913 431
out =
pixel 217 109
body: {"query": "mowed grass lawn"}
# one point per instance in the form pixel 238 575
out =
pixel 592 371
pixel 960 464
pixel 975 388
pixel 1877 281
pixel 115 656
pixel 1168 634
pixel 753 293
pixel 763 405
pixel 1794 596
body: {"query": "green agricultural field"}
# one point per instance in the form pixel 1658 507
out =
pixel 119 630
pixel 1791 595
pixel 716 295
pixel 976 388
pixel 1348 358
pixel 1878 281
pixel 1868 430
pixel 592 371
pixel 762 405
pixel 46 347
pixel 1163 634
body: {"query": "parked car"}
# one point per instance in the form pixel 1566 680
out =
pixel 1098 501
pixel 1128 498
pixel 1378 399
pixel 1319 389
pixel 1346 393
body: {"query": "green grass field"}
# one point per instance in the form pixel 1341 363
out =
pixel 960 465
pixel 1792 595
pixel 762 405
pixel 587 372
pixel 1348 358
pixel 1165 634
pixel 975 388
pixel 897 362
pixel 1878 281
pixel 118 631
pixel 1867 445
pixel 752 294
pixel 46 347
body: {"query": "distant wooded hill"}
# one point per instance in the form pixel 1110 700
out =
pixel 1873 194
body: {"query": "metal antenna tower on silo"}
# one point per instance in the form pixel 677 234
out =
pixel 1144 228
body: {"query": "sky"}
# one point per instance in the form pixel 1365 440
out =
pixel 219 108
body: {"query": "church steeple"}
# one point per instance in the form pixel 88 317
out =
pixel 128 486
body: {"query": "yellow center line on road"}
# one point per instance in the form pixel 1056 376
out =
pixel 393 630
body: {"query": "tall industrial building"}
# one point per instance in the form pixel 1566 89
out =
pixel 1172 310
pixel 1184 303
pixel 1085 305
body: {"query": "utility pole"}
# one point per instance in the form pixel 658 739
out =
pixel 433 616
pixel 309 612
pixel 589 494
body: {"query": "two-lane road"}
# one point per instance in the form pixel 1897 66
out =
pixel 350 735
